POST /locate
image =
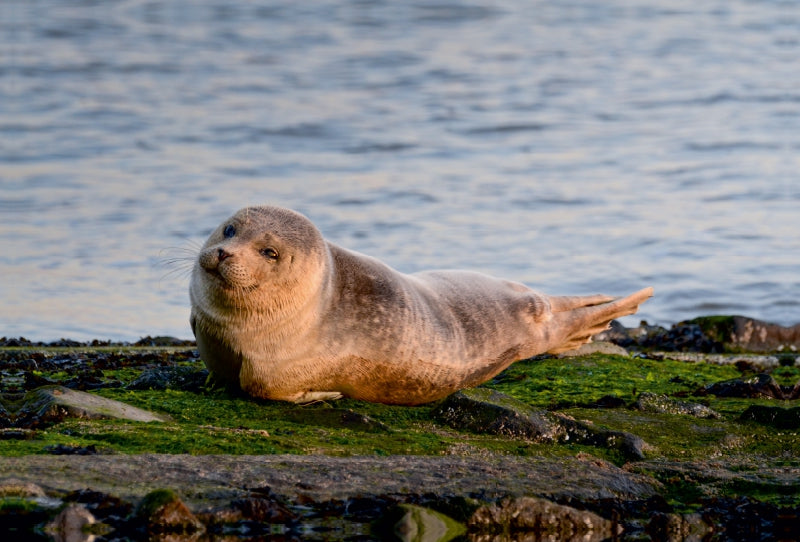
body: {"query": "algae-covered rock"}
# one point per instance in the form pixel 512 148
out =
pixel 412 523
pixel 652 402
pixel 545 519
pixel 176 378
pixel 336 417
pixel 761 386
pixel 781 418
pixel 482 410
pixel 163 511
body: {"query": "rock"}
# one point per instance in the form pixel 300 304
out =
pixel 761 386
pixel 164 512
pixel 412 523
pixel 336 417
pixel 54 403
pixel 482 410
pixel 596 347
pixel 651 402
pixel 545 519
pixel 71 525
pixel 257 509
pixel 11 487
pixel 630 446
pixel 162 340
pixel 176 378
pixel 677 527
pixel 708 334
pixel 781 418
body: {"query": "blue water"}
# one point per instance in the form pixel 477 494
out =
pixel 577 146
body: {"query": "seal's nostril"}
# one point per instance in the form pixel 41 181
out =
pixel 222 255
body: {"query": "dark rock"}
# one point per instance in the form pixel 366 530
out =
pixel 761 386
pixel 163 511
pixel 185 378
pixel 651 402
pixel 546 519
pixel 65 449
pixel 631 447
pixel 483 410
pixel 336 417
pixel 669 526
pixel 781 418
pixel 708 334
pixel 162 341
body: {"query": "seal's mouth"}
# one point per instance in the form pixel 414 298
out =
pixel 218 279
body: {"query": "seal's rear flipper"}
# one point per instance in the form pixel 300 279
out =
pixel 590 315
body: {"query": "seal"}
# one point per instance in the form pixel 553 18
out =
pixel 289 316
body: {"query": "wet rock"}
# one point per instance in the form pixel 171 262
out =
pixel 250 509
pixel 102 505
pixel 651 402
pixel 545 519
pixel 72 524
pixel 761 386
pixel 780 418
pixel 175 378
pixel 676 527
pixel 11 487
pixel 482 410
pixel 412 523
pixel 336 417
pixel 162 511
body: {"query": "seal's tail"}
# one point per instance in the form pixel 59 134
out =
pixel 585 316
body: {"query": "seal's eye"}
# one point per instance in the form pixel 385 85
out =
pixel 270 253
pixel 229 231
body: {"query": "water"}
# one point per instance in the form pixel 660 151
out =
pixel 576 146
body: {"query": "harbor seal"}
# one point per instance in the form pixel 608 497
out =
pixel 289 316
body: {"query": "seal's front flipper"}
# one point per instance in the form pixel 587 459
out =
pixel 313 396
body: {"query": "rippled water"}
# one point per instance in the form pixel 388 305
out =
pixel 577 146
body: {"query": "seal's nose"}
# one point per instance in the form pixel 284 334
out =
pixel 222 255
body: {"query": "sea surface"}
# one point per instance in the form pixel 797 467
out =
pixel 577 146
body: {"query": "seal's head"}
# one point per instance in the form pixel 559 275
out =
pixel 262 260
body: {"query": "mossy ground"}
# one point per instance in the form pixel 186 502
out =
pixel 214 421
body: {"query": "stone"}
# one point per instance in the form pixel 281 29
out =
pixel 760 386
pixel 545 519
pixel 651 402
pixel 71 525
pixel 164 512
pixel 336 417
pixel 58 402
pixel 482 410
pixel 176 378
pixel 780 418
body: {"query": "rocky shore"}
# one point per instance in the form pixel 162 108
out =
pixel 687 433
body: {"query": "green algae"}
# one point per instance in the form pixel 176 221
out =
pixel 219 421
